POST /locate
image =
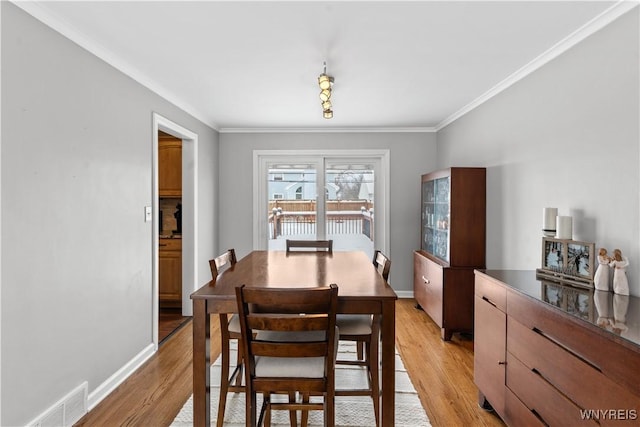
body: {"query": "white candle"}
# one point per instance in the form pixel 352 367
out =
pixel 564 227
pixel 549 221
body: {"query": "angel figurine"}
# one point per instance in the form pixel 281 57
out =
pixel 620 264
pixel 601 278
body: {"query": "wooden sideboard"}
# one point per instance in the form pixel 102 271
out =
pixel 550 354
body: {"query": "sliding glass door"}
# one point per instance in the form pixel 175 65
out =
pixel 318 196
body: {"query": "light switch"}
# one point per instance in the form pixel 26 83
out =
pixel 147 214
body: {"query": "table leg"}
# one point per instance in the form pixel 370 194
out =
pixel 201 364
pixel 388 332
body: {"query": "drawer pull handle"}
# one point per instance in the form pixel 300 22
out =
pixel 489 301
pixel 163 244
pixel 566 348
pixel 425 280
pixel 502 363
pixel 537 415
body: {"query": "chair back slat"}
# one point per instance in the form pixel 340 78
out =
pixel 222 262
pixel 382 264
pixel 325 245
pixel 289 349
pixel 288 323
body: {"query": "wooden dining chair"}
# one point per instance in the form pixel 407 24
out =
pixel 289 342
pixel 229 330
pixel 364 330
pixel 326 245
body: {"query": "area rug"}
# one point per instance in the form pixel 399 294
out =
pixel 356 411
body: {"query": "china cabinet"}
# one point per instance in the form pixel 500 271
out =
pixel 453 229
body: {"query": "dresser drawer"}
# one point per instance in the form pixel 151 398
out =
pixel 574 377
pixel 597 348
pixel 541 397
pixel 427 286
pixel 490 291
pixel 170 244
pixel 516 414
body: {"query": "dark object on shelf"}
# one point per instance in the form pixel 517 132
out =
pixel 178 216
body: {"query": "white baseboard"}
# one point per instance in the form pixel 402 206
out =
pixel 104 389
pixel 404 294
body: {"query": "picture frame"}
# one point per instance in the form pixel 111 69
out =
pixel 567 260
pixel 554 254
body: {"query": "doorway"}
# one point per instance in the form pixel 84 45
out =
pixel 340 195
pixel 182 236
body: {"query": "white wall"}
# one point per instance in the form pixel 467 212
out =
pixel 411 154
pixel 567 136
pixel 76 252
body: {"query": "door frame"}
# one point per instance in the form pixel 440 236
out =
pixel 262 158
pixel 189 216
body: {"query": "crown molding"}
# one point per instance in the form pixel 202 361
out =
pixel 591 27
pixel 53 21
pixel 331 130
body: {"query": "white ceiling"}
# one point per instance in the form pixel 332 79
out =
pixel 240 65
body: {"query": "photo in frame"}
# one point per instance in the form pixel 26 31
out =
pixel 554 254
pixel 568 261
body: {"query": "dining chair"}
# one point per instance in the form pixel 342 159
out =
pixel 364 330
pixel 229 330
pixel 326 245
pixel 289 342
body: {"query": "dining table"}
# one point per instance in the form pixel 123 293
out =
pixel 361 290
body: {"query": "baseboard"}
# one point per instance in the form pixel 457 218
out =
pixel 404 294
pixel 104 389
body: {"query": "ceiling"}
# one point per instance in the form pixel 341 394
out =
pixel 253 66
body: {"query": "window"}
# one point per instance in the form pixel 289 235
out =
pixel 277 196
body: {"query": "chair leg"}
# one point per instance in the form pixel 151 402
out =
pixel 293 415
pixel 224 380
pixel 360 353
pixel 250 407
pixel 265 411
pixel 329 410
pixel 374 372
pixel 304 418
pixel 239 364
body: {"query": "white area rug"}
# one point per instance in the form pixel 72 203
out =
pixel 351 411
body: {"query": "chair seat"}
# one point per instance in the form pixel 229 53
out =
pixel 234 324
pixel 354 324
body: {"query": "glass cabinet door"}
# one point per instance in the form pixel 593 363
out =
pixel 428 215
pixel 435 217
pixel 441 239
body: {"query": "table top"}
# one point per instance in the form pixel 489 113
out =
pixel 352 271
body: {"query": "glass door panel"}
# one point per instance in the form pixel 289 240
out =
pixel 350 194
pixel 292 203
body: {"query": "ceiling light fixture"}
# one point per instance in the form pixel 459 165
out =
pixel 325 82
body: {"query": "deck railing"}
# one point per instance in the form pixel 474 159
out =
pixel 298 217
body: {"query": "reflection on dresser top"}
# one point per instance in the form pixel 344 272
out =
pixel 617 314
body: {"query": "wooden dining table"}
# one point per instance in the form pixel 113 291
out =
pixel 361 290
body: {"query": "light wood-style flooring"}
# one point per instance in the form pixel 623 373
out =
pixel 442 373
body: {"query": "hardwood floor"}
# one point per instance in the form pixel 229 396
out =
pixel 169 320
pixel 442 372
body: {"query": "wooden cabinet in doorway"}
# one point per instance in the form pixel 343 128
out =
pixel 169 166
pixel 170 269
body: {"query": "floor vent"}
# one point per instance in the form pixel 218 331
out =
pixel 67 411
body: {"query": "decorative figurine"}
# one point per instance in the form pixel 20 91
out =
pixel 620 307
pixel 602 301
pixel 601 278
pixel 620 264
